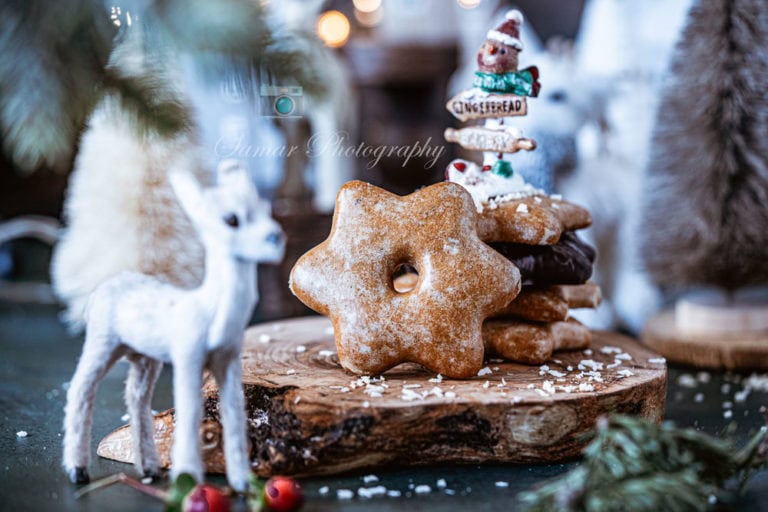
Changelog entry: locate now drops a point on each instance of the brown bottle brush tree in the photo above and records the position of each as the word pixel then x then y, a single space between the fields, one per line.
pixel 706 195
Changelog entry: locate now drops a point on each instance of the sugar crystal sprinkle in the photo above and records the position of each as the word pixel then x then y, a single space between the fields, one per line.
pixel 370 492
pixel 344 494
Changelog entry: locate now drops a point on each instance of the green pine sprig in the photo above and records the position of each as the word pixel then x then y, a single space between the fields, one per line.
pixel 634 464
pixel 58 62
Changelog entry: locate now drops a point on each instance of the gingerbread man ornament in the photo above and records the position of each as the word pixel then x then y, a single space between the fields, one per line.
pixel 438 324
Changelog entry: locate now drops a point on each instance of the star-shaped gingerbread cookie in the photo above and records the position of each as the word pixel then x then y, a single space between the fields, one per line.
pixel 438 324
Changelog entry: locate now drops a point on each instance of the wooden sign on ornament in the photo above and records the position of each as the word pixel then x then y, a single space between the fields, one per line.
pixel 487 139
pixel 307 416
pixel 475 104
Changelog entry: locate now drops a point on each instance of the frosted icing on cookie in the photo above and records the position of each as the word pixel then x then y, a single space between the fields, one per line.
pixel 485 186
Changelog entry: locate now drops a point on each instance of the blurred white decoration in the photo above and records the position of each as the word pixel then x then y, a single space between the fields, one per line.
pixel 227 114
pixel 45 229
pixel 417 21
pixel 622 53
pixel 329 116
pixel 562 108
pixel 120 211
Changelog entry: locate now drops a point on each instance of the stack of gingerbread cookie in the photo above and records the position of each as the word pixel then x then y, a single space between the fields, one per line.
pixel 555 266
pixel 533 230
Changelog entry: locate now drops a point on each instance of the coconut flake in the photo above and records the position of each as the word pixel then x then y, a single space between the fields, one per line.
pixel 344 494
pixel 370 492
pixel 484 371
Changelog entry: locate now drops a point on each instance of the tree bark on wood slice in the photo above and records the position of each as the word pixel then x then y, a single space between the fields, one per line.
pixel 729 350
pixel 307 416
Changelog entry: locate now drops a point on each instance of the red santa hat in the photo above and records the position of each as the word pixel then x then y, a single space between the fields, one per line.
pixel 508 32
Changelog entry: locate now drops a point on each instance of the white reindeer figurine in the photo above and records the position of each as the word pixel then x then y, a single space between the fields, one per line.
pixel 151 322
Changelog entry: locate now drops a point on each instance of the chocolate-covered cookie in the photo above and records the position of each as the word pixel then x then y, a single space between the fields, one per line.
pixel 569 261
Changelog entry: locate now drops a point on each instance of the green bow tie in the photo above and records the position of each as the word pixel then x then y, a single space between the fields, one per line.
pixel 514 82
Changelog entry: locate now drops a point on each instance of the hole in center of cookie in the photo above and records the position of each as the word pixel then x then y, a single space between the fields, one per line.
pixel 404 278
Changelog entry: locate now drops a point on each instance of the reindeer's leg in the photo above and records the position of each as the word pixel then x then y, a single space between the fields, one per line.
pixel 100 352
pixel 186 456
pixel 227 370
pixel 138 397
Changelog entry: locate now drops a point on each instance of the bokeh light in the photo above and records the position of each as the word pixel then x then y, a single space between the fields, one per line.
pixel 367 5
pixel 369 19
pixel 469 4
pixel 333 28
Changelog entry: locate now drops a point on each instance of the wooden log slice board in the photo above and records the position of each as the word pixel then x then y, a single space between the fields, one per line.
pixel 307 416
pixel 712 349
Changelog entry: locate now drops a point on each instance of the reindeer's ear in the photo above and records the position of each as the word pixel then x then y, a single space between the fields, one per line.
pixel 187 191
pixel 234 175
pixel 230 169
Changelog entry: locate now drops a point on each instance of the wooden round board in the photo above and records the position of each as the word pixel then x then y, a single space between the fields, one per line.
pixel 307 416
pixel 730 350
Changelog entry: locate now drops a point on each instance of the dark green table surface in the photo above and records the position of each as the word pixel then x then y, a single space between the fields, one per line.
pixel 37 358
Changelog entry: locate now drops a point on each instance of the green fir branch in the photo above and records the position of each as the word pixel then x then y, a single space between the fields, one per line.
pixel 58 61
pixel 633 464
pixel 52 56
pixel 147 101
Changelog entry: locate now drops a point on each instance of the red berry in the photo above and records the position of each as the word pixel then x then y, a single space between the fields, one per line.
pixel 283 494
pixel 217 500
pixel 195 501
pixel 486 168
pixel 205 498
pixel 460 166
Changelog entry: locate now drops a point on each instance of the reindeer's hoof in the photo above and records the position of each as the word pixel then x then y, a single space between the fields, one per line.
pixel 79 475
pixel 154 474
